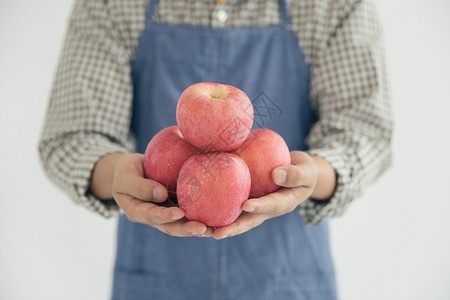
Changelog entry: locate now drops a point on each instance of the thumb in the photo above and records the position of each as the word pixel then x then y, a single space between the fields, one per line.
pixel 287 176
pixel 295 175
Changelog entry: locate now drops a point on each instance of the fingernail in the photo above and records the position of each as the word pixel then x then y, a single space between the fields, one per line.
pixel 249 209
pixel 158 194
pixel 280 176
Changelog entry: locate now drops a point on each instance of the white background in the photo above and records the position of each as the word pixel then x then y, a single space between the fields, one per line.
pixel 394 243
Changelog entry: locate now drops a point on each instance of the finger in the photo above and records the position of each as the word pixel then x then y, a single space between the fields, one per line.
pixel 207 233
pixel 141 188
pixel 245 222
pixel 280 202
pixel 270 203
pixel 183 228
pixel 146 212
pixel 294 175
pixel 300 157
pixel 155 214
pixel 287 176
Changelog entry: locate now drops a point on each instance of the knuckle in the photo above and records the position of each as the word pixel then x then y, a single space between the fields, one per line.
pixel 297 178
pixel 151 215
pixel 144 191
pixel 140 210
pixel 276 206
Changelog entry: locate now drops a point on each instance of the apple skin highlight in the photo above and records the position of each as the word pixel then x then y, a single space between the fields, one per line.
pixel 212 161
pixel 214 117
pixel 212 188
pixel 165 155
pixel 262 151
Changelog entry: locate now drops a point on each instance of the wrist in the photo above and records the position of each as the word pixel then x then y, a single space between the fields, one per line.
pixel 103 174
pixel 326 179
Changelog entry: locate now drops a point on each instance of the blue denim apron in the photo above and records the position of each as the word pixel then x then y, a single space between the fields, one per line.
pixel 282 258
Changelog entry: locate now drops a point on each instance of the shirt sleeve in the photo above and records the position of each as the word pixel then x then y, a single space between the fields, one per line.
pixel 88 114
pixel 349 91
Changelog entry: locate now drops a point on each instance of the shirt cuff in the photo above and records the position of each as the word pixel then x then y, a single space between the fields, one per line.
pixel 314 211
pixel 83 169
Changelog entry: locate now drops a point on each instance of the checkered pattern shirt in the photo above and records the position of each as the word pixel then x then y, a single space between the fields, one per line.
pixel 90 104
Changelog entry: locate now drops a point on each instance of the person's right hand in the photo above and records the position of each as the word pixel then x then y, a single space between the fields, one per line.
pixel 140 199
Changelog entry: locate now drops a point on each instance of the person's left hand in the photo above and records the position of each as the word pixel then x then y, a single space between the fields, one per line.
pixel 297 181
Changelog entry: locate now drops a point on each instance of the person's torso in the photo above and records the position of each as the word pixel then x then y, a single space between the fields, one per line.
pixel 282 258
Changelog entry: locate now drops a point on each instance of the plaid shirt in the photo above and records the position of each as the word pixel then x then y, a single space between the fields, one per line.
pixel 90 104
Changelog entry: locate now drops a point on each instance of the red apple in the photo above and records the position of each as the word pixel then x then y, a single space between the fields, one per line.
pixel 263 151
pixel 165 155
pixel 212 187
pixel 214 117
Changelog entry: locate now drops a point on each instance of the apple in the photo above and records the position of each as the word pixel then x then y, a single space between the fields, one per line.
pixel 214 117
pixel 165 155
pixel 212 188
pixel 262 151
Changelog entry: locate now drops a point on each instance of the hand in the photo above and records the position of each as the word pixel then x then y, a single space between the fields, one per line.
pixel 298 182
pixel 139 197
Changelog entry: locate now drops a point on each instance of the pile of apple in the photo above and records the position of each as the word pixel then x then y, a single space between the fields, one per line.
pixel 212 160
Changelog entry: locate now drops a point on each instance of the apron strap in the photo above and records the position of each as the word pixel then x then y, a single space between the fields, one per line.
pixel 284 13
pixel 151 9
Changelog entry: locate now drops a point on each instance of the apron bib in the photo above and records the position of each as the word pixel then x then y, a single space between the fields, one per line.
pixel 282 258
